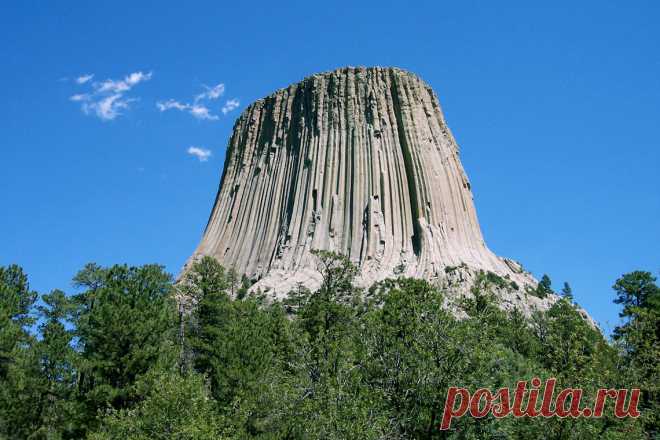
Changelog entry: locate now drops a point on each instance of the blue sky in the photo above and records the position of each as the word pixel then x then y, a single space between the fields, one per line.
pixel 556 109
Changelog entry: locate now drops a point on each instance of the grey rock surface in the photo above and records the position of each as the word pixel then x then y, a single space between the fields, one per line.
pixel 359 161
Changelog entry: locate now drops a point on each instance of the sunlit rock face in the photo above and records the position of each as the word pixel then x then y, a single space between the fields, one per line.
pixel 359 161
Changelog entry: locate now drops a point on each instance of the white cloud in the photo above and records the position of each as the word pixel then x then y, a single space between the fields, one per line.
pixel 202 112
pixel 121 86
pixel 107 98
pixel 199 107
pixel 82 79
pixel 211 92
pixel 230 105
pixel 199 111
pixel 200 153
pixel 162 106
pixel 80 97
pixel 108 107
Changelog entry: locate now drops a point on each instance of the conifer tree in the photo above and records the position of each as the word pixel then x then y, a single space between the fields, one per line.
pixel 124 322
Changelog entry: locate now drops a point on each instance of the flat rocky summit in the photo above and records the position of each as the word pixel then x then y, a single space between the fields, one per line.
pixel 359 161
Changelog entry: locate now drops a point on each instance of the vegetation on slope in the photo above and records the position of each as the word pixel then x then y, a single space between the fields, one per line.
pixel 120 359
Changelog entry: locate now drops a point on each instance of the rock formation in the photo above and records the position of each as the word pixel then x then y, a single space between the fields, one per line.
pixel 359 161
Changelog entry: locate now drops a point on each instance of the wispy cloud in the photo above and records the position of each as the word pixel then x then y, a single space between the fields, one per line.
pixel 200 153
pixel 199 111
pixel 171 104
pixel 211 92
pixel 109 107
pixel 82 79
pixel 199 107
pixel 202 112
pixel 107 98
pixel 79 97
pixel 230 105
pixel 121 86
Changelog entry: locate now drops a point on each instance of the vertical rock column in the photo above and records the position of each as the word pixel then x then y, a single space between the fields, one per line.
pixel 358 161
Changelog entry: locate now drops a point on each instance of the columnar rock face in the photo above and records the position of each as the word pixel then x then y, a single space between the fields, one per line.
pixel 359 161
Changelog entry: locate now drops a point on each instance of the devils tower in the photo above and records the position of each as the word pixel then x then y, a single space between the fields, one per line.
pixel 359 161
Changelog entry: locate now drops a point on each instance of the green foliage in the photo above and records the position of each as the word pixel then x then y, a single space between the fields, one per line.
pixel 567 340
pixel 116 361
pixel 411 351
pixel 16 301
pixel 636 291
pixel 482 303
pixel 516 332
pixel 124 321
pixel 544 287
pixel 206 277
pixel 497 280
pixel 639 337
pixel 338 274
pixel 17 362
pixel 57 410
pixel 238 343
pixel 329 402
pixel 452 269
pixel 175 406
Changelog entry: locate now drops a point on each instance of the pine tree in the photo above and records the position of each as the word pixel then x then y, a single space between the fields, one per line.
pixel 568 341
pixel 239 342
pixel 544 287
pixel 57 407
pixel 124 322
pixel 18 389
pixel 16 302
pixel 639 295
pixel 636 290
pixel 175 406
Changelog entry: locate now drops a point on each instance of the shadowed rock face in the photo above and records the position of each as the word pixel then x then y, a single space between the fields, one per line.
pixel 358 161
